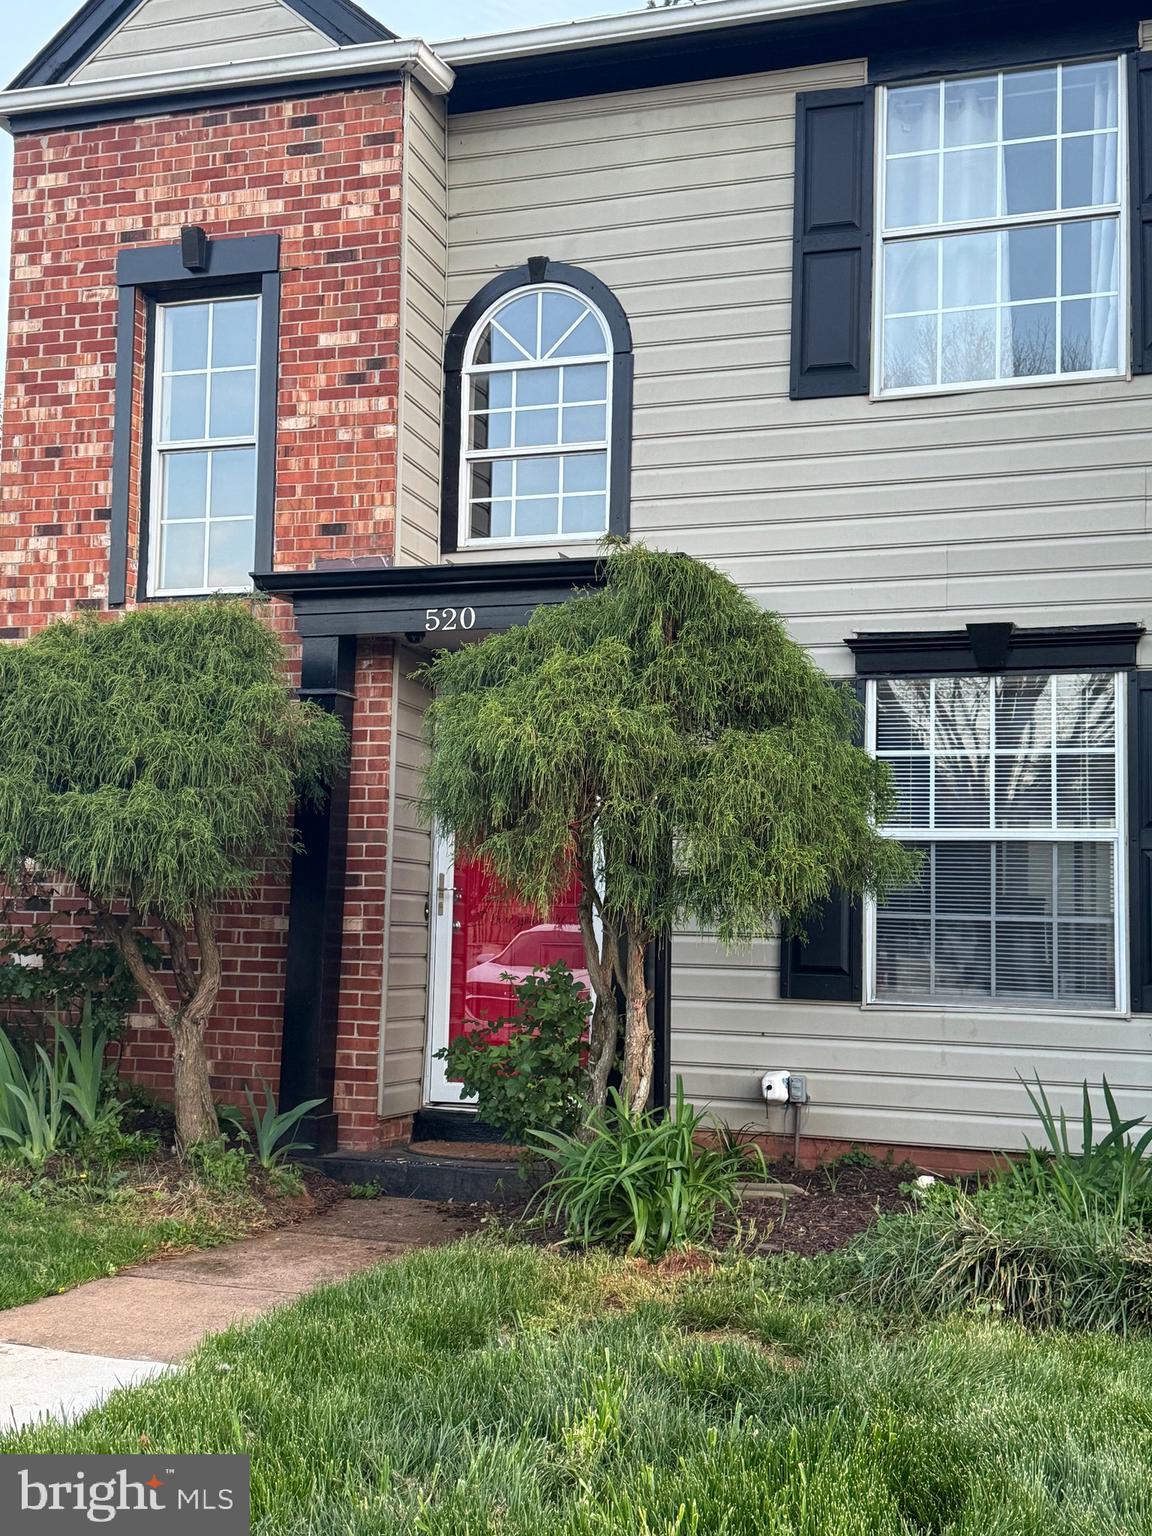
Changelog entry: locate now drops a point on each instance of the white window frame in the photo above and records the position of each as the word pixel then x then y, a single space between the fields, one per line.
pixel 161 450
pixel 1115 836
pixel 470 455
pixel 1120 210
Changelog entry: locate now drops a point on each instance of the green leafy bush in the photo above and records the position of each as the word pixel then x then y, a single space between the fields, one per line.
pixel 536 1080
pixel 220 1167
pixel 42 979
pixel 646 1182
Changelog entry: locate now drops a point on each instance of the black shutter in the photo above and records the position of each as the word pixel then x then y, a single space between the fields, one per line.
pixel 1140 131
pixel 830 963
pixel 1140 839
pixel 832 245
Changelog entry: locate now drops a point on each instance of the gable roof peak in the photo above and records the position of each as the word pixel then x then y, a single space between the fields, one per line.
pixel 339 23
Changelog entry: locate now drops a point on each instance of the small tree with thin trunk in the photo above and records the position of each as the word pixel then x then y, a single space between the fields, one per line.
pixel 152 762
pixel 664 738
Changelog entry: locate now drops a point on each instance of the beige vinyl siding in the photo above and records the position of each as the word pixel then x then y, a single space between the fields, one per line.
pixel 1028 503
pixel 405 1021
pixel 422 325
pixel 184 34
pixel 918 1076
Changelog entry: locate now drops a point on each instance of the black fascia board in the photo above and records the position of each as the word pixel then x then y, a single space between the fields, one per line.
pixel 341 21
pixel 909 39
pixel 928 653
pixel 75 43
pixel 389 600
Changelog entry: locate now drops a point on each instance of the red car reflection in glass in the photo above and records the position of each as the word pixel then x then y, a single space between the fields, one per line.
pixel 489 995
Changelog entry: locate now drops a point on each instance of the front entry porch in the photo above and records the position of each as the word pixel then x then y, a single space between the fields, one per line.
pixel 446 942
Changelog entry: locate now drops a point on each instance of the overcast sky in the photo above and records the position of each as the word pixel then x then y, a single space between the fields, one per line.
pixel 26 31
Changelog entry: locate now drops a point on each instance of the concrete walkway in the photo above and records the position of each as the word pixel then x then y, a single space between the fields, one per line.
pixel 62 1355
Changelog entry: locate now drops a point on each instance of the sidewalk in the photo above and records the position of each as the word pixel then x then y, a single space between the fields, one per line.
pixel 63 1354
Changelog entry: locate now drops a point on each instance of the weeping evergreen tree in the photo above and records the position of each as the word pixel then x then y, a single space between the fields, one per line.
pixel 664 738
pixel 152 761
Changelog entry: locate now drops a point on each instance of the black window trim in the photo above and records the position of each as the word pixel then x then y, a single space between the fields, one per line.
pixel 536 271
pixel 233 267
pixel 982 648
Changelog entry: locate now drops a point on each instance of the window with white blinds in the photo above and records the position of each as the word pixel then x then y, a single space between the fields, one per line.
pixel 1011 788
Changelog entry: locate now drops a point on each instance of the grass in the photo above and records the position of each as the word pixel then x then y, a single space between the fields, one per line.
pixel 483 1389
pixel 55 1235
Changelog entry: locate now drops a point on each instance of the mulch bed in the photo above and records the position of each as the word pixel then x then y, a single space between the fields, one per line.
pixel 838 1204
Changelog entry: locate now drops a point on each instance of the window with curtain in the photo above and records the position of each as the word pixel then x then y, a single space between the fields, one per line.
pixel 1001 240
pixel 537 404
pixel 1011 789
pixel 204 425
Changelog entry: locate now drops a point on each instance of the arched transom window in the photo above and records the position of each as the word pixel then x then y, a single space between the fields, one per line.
pixel 537 403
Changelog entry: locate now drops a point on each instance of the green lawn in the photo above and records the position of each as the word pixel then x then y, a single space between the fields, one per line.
pixel 479 1389
pixel 54 1236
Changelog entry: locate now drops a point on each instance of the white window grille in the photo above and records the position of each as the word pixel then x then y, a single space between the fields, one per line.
pixel 204 434
pixel 1002 251
pixel 537 406
pixel 1012 790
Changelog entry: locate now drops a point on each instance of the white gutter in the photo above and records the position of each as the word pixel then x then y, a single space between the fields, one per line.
pixel 636 26
pixel 410 56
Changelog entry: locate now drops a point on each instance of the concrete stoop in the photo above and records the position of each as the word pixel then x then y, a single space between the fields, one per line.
pixel 410 1174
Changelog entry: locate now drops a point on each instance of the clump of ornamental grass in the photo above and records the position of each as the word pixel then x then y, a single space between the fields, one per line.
pixel 1005 1254
pixel 1058 1239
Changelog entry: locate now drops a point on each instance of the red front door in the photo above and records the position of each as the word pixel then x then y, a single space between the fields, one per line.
pixel 494 939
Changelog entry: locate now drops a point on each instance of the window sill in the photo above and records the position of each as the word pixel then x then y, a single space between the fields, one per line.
pixel 1049 381
pixel 556 541
pixel 175 597
pixel 999 1011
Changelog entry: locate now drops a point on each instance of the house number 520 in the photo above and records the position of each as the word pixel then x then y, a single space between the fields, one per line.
pixel 450 618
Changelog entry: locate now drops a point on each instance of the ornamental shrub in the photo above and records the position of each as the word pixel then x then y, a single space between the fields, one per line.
pixel 535 1080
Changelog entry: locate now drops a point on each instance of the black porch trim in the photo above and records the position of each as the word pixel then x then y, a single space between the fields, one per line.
pixel 997 648
pixel 460 600
pixel 339 20
pixel 316 910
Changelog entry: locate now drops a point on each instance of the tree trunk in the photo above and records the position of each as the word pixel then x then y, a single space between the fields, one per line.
pixel 638 1038
pixel 195 1112
pixel 198 990
pixel 602 1051
pixel 600 956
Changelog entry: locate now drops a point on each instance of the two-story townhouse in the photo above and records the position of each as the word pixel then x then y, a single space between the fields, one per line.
pixel 852 298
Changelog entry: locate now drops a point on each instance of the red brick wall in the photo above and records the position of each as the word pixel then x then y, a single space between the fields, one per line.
pixel 325 173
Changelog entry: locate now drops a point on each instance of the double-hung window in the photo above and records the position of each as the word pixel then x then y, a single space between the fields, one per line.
pixel 1011 788
pixel 1001 238
pixel 202 522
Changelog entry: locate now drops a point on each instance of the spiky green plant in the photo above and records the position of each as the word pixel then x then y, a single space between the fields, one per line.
pixel 153 761
pixel 665 739
pixel 83 1073
pixel 641 1180
pixel 270 1127
pixel 1111 1175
